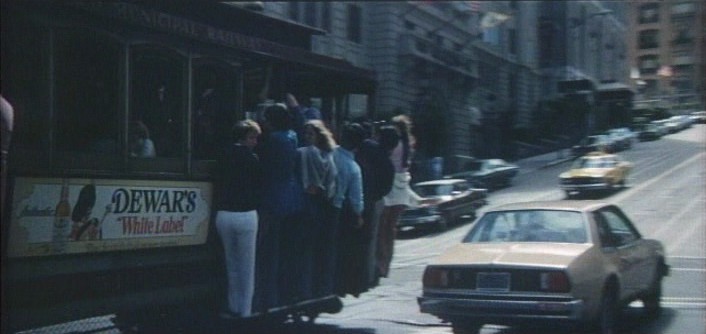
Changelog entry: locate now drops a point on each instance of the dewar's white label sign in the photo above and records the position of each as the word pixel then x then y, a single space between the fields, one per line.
pixel 57 216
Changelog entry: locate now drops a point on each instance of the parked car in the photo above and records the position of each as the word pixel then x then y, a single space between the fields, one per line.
pixel 682 122
pixel 670 125
pixel 662 126
pixel 648 131
pixel 623 137
pixel 593 143
pixel 538 264
pixel 698 116
pixel 488 173
pixel 443 203
pixel 596 171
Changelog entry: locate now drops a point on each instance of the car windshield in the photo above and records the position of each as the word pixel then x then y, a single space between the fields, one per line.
pixel 529 226
pixel 592 163
pixel 474 165
pixel 593 140
pixel 432 190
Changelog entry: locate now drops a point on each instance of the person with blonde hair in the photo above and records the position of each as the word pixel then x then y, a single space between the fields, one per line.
pixel 318 176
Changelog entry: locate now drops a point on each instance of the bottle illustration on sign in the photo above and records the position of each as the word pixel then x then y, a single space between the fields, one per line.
pixel 62 220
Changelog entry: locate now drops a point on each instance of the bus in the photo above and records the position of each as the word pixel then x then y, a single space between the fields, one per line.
pixel 92 227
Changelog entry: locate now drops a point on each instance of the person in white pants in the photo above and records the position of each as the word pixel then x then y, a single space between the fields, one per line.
pixel 238 231
pixel 237 198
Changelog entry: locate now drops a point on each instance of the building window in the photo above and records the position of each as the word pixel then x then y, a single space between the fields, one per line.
pixel 326 16
pixel 683 35
pixel 546 43
pixel 310 13
pixel 294 11
pixel 512 40
pixel 409 25
pixel 681 9
pixel 87 93
pixel 683 85
pixel 684 69
pixel 354 23
pixel 648 64
pixel 649 13
pixel 648 39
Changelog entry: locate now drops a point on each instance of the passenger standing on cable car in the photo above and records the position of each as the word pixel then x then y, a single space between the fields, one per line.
pixel 281 204
pixel 348 253
pixel 238 196
pixel 378 173
pixel 318 177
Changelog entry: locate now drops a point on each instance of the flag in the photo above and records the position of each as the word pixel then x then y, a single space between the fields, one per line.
pixel 492 19
pixel 634 73
pixel 665 71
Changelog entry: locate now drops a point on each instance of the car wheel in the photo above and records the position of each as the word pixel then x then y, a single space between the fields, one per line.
pixel 622 183
pixel 465 327
pixel 609 312
pixel 443 223
pixel 651 300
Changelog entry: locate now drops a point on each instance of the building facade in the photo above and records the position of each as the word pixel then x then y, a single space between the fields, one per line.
pixel 465 71
pixel 583 58
pixel 666 53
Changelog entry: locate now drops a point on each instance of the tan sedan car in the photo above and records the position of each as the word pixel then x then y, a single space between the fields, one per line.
pixel 566 264
pixel 595 171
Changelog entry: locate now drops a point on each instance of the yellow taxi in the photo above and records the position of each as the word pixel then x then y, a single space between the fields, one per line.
pixel 595 171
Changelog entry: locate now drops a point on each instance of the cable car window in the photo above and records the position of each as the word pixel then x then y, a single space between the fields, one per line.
pixel 157 100
pixel 215 107
pixel 87 91
pixel 25 83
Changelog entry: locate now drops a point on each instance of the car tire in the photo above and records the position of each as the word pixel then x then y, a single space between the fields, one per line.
pixel 652 298
pixel 443 223
pixel 465 327
pixel 609 313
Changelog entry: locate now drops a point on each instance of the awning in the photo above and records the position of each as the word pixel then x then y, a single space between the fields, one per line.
pixel 570 86
pixel 193 26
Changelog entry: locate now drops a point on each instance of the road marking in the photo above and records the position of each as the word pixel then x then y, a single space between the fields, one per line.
pixel 668 225
pixel 681 241
pixel 687 269
pixel 652 181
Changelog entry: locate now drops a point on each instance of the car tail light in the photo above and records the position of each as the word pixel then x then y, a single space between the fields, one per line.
pixel 555 281
pixel 435 277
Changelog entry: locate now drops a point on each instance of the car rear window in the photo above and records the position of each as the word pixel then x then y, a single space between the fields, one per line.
pixel 529 226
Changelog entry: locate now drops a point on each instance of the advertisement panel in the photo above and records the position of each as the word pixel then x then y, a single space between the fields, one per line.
pixel 66 216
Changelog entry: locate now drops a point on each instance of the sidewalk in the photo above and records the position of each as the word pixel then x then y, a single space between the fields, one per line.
pixel 543 160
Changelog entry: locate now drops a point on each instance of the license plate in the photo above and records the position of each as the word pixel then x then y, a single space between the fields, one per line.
pixel 493 281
